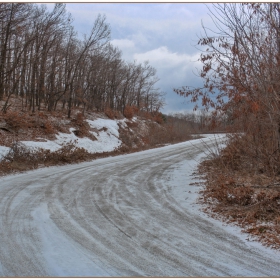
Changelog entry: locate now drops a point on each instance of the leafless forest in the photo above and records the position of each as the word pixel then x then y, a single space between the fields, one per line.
pixel 44 62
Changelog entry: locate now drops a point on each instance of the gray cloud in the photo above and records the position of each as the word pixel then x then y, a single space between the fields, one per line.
pixel 165 34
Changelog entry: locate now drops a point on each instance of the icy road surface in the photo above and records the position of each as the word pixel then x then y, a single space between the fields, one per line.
pixel 130 215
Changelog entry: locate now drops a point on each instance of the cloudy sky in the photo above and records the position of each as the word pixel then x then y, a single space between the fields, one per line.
pixel 165 34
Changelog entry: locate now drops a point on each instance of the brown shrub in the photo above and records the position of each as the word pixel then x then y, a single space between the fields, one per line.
pixel 80 118
pixel 130 111
pixel 109 113
pixel 146 115
pixel 236 190
pixel 16 120
pixel 132 124
pixel 82 126
pixel 112 114
pixel 158 118
pixel 153 116
pixel 21 158
pixel 66 154
pixel 146 140
pixel 49 129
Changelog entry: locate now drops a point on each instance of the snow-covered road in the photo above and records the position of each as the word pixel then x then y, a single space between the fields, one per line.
pixel 130 215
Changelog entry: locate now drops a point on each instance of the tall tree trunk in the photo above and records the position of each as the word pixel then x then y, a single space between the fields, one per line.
pixel 4 52
pixel 278 60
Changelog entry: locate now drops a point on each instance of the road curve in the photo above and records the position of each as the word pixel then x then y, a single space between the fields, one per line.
pixel 119 216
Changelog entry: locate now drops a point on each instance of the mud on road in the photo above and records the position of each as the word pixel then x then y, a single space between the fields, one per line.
pixel 129 215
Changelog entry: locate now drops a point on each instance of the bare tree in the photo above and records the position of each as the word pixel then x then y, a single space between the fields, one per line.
pixel 241 73
pixel 44 63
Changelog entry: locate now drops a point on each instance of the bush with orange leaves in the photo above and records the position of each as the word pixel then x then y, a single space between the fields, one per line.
pixel 158 118
pixel 49 129
pixel 154 116
pixel 112 114
pixel 15 120
pixel 82 127
pixel 130 111
pixel 109 113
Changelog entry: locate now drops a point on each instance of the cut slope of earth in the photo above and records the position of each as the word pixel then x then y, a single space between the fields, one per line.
pixel 43 139
pixel 105 133
pixel 107 138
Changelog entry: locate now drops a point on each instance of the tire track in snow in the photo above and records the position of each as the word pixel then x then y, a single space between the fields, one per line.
pixel 121 219
pixel 16 225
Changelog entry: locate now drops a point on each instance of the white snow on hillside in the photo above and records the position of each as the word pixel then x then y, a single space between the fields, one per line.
pixel 3 151
pixel 107 138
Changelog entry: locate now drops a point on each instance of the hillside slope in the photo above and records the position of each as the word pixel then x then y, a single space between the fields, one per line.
pixel 30 140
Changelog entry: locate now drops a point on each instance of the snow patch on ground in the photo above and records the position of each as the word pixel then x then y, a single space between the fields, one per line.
pixel 3 151
pixel 110 125
pixel 106 133
pixel 107 138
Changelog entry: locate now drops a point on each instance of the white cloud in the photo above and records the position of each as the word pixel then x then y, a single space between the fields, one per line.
pixel 164 34
pixel 164 58
pixel 123 43
pixel 141 40
pixel 126 46
pixel 174 70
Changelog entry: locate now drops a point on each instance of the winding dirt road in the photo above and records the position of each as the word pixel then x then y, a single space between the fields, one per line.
pixel 120 216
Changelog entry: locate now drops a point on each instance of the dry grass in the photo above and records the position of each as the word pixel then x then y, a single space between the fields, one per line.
pixel 20 158
pixel 243 191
